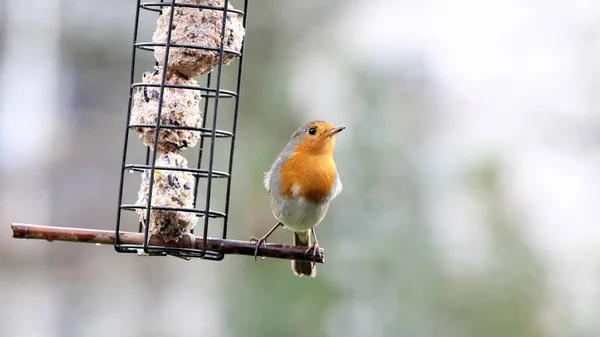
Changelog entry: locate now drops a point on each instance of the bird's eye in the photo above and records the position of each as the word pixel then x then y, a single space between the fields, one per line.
pixel 312 131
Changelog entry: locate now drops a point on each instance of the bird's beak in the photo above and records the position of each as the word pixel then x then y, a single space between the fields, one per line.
pixel 336 130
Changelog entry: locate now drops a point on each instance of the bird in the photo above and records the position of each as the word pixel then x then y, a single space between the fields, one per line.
pixel 302 182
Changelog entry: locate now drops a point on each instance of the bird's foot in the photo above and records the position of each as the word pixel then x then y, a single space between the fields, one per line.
pixel 316 251
pixel 259 242
pixel 263 240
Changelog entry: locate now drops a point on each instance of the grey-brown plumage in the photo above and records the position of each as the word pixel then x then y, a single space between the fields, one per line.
pixel 299 267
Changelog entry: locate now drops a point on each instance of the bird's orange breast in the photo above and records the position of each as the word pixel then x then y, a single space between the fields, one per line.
pixel 313 175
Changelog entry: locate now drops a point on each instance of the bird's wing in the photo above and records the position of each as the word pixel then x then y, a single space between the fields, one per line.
pixel 337 187
pixel 267 181
pixel 269 175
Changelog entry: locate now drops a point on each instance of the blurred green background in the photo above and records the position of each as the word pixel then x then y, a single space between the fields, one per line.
pixel 470 167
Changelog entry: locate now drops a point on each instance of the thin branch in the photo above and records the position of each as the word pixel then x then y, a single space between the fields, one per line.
pixel 96 236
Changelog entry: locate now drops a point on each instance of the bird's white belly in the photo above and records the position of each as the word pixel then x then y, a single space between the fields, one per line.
pixel 298 214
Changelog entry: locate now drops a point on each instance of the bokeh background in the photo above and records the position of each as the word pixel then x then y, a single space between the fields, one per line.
pixel 470 167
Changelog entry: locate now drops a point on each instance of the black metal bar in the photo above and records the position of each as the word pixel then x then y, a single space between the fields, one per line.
pixel 149 5
pixel 205 132
pixel 157 130
pixel 124 157
pixel 199 213
pixel 197 172
pixel 234 128
pixel 214 121
pixel 146 45
pixel 222 93
pixel 201 147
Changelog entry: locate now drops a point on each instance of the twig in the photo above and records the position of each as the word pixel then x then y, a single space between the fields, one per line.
pixel 50 233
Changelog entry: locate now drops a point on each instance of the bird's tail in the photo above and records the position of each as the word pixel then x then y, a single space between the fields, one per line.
pixel 305 268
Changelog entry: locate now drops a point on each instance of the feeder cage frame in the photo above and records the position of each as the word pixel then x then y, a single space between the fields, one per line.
pixel 212 90
pixel 193 245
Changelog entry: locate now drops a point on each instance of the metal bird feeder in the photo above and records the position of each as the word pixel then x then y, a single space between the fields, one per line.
pixel 212 93
pixel 195 42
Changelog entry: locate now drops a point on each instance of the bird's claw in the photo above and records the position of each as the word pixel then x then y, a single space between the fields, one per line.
pixel 259 242
pixel 316 251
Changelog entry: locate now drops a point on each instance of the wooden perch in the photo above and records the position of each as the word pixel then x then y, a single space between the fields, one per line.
pixel 105 237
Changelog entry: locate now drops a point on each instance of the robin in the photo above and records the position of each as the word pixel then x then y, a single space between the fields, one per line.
pixel 301 183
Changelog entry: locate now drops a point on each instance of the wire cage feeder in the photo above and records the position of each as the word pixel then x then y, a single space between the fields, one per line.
pixel 169 110
pixel 170 218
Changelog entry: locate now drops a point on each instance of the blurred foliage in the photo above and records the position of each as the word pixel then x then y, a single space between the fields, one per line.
pixel 505 299
pixel 399 287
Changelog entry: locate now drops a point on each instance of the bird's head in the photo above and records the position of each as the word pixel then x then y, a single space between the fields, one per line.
pixel 316 138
